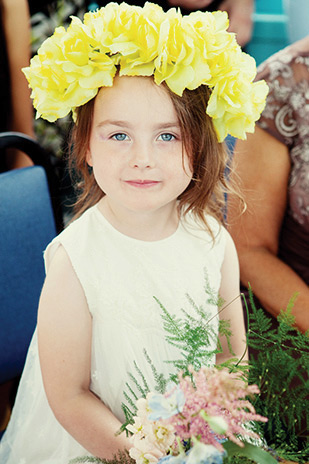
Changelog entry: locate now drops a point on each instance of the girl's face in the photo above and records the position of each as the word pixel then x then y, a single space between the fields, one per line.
pixel 135 147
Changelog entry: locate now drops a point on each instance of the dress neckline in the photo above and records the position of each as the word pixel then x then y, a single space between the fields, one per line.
pixel 100 216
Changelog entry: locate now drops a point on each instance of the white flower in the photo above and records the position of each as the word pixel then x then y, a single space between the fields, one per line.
pixel 145 452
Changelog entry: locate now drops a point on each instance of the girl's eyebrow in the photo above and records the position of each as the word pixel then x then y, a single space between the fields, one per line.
pixel 113 122
pixel 120 123
pixel 167 125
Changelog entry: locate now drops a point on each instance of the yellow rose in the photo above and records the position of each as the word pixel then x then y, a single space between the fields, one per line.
pixel 146 37
pixel 185 52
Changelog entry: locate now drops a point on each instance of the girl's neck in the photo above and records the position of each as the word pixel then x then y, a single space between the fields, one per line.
pixel 147 226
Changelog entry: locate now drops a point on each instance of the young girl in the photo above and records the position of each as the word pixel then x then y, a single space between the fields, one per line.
pixel 149 222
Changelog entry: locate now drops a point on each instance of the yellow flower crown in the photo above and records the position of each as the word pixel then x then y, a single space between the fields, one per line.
pixel 183 51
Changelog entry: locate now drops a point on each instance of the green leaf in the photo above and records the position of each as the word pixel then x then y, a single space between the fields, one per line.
pixel 250 451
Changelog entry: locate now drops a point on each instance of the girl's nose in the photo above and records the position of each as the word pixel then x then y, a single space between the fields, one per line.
pixel 142 156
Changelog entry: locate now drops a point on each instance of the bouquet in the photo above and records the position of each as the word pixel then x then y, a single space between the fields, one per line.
pixel 215 415
pixel 197 420
pixel 203 418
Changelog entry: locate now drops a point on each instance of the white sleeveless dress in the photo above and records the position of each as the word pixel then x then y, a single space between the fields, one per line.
pixel 120 277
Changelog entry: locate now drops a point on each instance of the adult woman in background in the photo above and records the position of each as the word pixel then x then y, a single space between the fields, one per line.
pixel 271 236
pixel 239 11
pixel 16 112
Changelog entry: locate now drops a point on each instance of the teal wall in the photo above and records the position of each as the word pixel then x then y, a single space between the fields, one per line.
pixel 269 6
pixel 270 29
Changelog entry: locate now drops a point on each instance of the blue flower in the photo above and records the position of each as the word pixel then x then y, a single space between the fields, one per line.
pixel 204 454
pixel 167 405
pixel 170 459
pixel 199 454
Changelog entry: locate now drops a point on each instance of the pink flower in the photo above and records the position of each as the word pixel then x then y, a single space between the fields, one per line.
pixel 214 397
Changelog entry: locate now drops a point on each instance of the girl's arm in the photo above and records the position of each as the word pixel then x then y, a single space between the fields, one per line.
pixel 64 337
pixel 232 307
pixel 262 164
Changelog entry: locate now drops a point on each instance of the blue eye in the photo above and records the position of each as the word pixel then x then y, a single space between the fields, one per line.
pixel 119 137
pixel 167 137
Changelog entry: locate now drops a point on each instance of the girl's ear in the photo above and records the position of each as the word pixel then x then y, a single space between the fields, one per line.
pixel 89 157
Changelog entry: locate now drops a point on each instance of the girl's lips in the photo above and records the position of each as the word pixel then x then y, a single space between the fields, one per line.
pixel 140 183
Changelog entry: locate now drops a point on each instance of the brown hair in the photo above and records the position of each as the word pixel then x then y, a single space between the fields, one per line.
pixel 204 194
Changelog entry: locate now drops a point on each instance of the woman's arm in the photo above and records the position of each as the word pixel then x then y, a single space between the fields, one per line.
pixel 16 26
pixel 232 307
pixel 64 336
pixel 262 164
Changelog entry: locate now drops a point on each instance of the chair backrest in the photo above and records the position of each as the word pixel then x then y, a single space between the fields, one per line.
pixel 40 157
pixel 27 225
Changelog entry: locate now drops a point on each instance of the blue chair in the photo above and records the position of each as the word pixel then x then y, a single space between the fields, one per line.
pixel 27 224
pixel 40 157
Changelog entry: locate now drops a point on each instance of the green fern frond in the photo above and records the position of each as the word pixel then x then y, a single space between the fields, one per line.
pixel 161 382
pixel 129 415
pixel 85 459
pixel 212 296
pixel 225 331
pixel 130 399
pixel 122 457
pixel 145 388
pixel 170 323
pixel 143 391
pixel 193 335
pixel 280 368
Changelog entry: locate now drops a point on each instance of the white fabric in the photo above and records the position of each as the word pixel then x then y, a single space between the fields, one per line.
pixel 120 277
